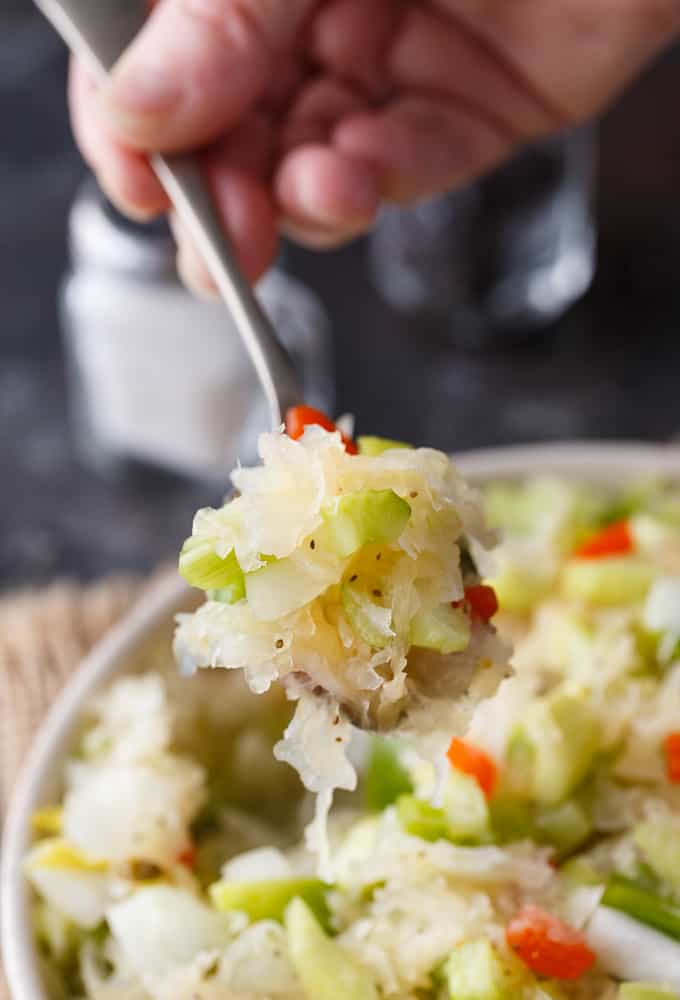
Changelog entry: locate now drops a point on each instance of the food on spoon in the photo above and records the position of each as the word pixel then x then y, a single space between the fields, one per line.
pixel 351 578
pixel 176 865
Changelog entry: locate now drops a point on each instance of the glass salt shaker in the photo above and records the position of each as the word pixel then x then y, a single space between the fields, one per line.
pixel 505 255
pixel 157 376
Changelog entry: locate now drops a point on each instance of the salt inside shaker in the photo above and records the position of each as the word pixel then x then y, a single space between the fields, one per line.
pixel 158 376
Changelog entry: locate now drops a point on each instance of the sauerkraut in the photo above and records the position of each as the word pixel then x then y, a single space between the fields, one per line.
pixel 544 864
pixel 344 577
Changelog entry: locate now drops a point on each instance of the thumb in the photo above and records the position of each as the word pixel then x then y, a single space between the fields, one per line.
pixel 195 68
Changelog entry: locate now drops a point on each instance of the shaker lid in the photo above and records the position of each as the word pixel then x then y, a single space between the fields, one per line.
pixel 101 237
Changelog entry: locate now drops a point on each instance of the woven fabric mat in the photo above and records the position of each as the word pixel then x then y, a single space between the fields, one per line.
pixel 43 636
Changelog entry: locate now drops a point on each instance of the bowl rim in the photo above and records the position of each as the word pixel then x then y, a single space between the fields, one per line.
pixel 595 460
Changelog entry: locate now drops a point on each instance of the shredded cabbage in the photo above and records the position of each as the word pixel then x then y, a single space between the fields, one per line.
pixel 335 628
pixel 175 784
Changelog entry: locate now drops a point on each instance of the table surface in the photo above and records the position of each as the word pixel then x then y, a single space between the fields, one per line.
pixel 610 368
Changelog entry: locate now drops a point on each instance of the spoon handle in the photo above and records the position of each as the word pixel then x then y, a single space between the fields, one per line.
pixel 99 31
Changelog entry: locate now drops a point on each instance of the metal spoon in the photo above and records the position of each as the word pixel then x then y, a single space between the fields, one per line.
pixel 98 32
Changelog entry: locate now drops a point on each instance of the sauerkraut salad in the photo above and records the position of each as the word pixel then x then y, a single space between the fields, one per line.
pixel 548 869
pixel 348 573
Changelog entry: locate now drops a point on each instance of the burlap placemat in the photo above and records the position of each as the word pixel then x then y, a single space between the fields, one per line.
pixel 43 636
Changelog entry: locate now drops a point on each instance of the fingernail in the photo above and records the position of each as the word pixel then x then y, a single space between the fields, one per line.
pixel 137 213
pixel 140 90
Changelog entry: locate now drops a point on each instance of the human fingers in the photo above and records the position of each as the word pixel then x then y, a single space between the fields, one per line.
pixel 195 68
pixel 124 174
pixel 249 220
pixel 422 146
pixel 324 196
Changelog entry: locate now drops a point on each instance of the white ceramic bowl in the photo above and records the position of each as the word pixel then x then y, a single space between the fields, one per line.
pixel 149 628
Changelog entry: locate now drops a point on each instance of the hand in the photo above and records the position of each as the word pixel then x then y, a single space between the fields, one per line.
pixel 312 112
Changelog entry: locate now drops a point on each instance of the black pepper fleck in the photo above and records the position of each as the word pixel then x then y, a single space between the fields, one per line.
pixel 279 643
pixel 413 494
pixel 377 593
pixel 353 577
pixel 142 870
pixel 312 544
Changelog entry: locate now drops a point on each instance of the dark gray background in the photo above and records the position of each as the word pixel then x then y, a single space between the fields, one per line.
pixel 610 368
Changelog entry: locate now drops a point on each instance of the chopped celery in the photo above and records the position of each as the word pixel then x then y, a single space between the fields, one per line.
pixel 511 819
pixel 565 733
pixel 466 809
pixel 608 581
pixel 645 991
pixel 326 971
pixel 200 566
pixel 443 628
pixel 565 826
pixel 374 446
pixel 475 971
pixel 578 871
pixel 369 619
pixel 268 899
pixel 231 594
pixel 463 819
pixel 519 589
pixel 361 518
pixel 644 876
pixel 659 842
pixel 517 775
pixel 385 777
pixel 647 907
pixel 420 819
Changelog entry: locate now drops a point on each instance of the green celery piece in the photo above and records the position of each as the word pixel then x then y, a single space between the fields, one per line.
pixel 444 629
pixel 268 899
pixel 578 871
pixel 326 971
pixel 361 518
pixel 659 842
pixel 645 991
pixel 609 581
pixel 420 819
pixel 203 568
pixel 565 733
pixel 385 777
pixel 475 971
pixel 371 620
pixel 466 809
pixel 374 446
pixel 231 594
pixel 462 820
pixel 519 589
pixel 517 776
pixel 647 907
pixel 511 819
pixel 565 826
